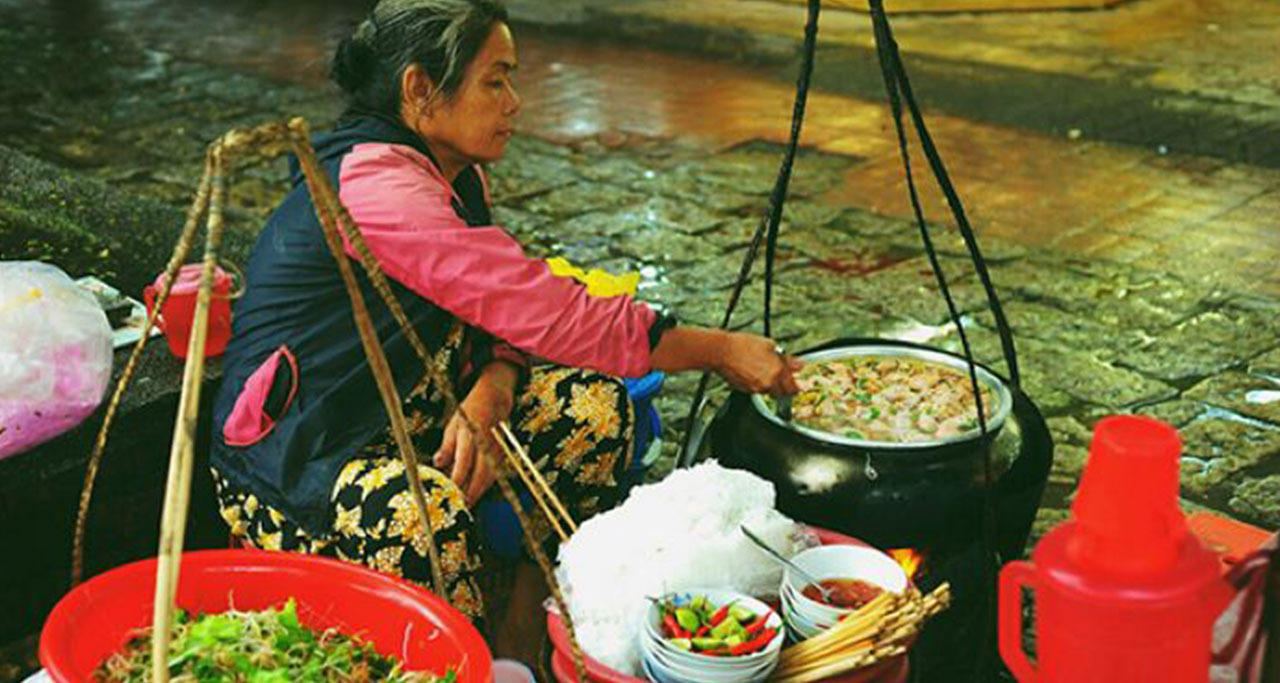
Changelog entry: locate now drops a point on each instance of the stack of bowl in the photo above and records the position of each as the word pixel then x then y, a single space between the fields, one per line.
pixel 806 617
pixel 664 662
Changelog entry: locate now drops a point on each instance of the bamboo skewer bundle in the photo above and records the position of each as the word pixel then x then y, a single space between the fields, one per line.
pixel 882 629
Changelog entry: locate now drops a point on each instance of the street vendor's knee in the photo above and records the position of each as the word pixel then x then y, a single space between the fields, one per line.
pixel 373 496
pixel 600 403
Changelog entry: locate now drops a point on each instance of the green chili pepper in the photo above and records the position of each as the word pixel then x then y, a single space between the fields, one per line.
pixel 688 619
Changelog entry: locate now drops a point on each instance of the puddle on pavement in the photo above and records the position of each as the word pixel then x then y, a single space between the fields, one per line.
pixel 1262 396
pixel 863 262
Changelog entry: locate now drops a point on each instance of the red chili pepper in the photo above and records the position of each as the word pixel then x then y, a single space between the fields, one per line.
pixel 702 631
pixel 671 628
pixel 759 622
pixel 756 643
pixel 719 615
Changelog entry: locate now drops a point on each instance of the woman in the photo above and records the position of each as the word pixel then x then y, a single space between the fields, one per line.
pixel 302 455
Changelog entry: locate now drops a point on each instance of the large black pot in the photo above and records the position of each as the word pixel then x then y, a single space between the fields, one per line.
pixel 896 495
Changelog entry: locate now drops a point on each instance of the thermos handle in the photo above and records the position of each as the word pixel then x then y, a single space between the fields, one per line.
pixel 149 296
pixel 1013 578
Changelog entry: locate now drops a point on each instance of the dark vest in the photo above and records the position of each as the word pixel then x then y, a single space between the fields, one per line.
pixel 295 298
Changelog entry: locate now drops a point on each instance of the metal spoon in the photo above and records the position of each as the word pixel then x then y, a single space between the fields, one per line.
pixel 826 592
pixel 784 408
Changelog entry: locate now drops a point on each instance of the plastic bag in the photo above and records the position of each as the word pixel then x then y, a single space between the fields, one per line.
pixel 55 354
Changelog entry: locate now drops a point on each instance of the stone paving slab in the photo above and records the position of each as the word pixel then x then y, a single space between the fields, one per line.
pixel 1153 73
pixel 1096 335
pixel 1241 393
pixel 1267 363
pixel 1226 448
pixel 1259 499
pixel 1205 344
pixel 1178 412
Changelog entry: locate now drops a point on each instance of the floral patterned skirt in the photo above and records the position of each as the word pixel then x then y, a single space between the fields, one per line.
pixel 577 425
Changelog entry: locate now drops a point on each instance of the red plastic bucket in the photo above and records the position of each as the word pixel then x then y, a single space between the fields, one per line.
pixel 398 618
pixel 177 315
pixel 894 670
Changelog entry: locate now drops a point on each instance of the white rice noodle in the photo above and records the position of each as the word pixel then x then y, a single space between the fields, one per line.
pixel 678 534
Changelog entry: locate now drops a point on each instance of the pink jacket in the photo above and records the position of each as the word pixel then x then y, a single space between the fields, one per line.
pixel 481 274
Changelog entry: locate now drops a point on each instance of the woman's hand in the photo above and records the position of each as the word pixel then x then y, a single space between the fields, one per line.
pixel 748 362
pixel 489 402
pixel 757 365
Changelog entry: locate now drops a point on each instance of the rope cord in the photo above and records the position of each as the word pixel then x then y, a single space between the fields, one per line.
pixel 768 223
pixel 898 88
pixel 779 196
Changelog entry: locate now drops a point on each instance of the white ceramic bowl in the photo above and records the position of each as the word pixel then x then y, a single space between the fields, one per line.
pixel 836 562
pixel 669 662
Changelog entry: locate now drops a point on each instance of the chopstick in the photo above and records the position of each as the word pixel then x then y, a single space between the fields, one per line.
pixel 519 460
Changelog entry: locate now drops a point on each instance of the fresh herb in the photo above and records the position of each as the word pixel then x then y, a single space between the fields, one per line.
pixel 268 646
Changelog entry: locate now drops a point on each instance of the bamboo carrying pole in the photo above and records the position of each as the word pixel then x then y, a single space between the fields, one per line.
pixel 266 141
pixel 182 454
pixel 323 196
pixel 179 256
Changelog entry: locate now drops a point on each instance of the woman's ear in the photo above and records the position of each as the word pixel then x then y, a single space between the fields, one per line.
pixel 416 90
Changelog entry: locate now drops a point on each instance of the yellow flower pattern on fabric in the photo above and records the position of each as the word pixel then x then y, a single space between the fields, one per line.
pixel 541 404
pixel 348 474
pixel 388 559
pixel 347 520
pixel 568 418
pixel 596 405
pixel 379 476
pixel 598 472
pixel 270 541
pixel 466 599
pixel 453 556
pixel 576 445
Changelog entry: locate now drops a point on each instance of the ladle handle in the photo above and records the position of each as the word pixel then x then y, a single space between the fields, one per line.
pixel 778 556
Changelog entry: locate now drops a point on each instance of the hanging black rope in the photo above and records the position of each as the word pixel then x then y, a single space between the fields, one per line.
pixel 779 196
pixel 898 87
pixel 895 75
pixel 768 224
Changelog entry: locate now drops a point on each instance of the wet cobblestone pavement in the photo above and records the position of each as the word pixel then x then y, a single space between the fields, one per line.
pixel 1135 281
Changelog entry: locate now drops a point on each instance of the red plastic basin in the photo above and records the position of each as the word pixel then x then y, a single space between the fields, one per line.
pixel 398 618
pixel 894 670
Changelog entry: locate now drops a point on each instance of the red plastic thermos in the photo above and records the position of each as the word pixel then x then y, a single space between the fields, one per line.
pixel 1124 593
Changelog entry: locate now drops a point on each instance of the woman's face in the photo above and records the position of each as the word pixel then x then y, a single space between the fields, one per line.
pixel 475 124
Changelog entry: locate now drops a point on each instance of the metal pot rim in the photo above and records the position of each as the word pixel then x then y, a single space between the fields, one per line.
pixel 985 377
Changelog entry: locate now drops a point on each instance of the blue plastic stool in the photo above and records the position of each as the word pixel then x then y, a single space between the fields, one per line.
pixel 498 522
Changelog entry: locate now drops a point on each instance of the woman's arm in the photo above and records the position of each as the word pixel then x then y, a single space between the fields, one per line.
pixel 481 274
pixel 747 362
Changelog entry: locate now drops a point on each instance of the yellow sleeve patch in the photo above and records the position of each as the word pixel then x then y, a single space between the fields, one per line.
pixel 598 282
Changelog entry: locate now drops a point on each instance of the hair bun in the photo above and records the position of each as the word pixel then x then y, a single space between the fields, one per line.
pixel 354 61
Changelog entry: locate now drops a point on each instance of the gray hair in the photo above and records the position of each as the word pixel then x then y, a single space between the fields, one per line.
pixel 441 36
